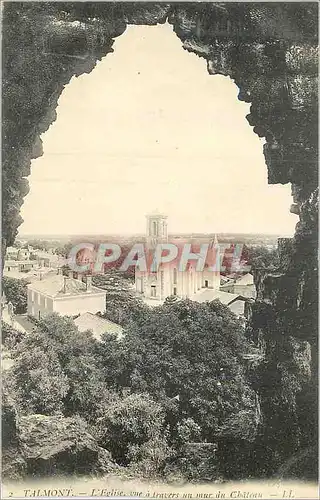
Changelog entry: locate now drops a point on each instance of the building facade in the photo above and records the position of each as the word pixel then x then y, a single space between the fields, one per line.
pixel 64 295
pixel 20 266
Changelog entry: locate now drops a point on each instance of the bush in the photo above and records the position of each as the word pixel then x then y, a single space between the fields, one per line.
pixel 126 423
pixel 150 458
pixel 16 291
pixel 55 370
pixel 10 337
pixel 196 462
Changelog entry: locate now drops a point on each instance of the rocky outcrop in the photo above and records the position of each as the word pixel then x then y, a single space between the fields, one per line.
pixel 40 445
pixel 13 462
pixel 52 444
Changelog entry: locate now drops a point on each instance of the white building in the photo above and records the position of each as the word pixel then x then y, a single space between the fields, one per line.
pixel 235 302
pixel 48 259
pixel 244 286
pixel 64 295
pixel 13 253
pixel 97 325
pixel 154 287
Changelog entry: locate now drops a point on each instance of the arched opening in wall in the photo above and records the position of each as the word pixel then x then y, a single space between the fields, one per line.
pixel 149 129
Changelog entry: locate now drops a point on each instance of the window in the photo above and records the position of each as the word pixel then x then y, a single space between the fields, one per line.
pixel 175 276
pixel 140 285
pixel 153 291
pixel 162 281
pixel 206 283
pixel 154 228
pixel 174 290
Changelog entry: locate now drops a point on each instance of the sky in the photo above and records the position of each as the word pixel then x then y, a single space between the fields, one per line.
pixel 149 129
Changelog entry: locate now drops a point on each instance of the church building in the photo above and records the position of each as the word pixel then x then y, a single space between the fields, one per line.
pixel 154 287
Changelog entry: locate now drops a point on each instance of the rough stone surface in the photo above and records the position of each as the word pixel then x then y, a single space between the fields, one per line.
pixel 52 444
pixel 13 463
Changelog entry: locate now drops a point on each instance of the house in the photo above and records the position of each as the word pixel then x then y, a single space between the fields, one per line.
pixel 235 302
pixel 224 280
pixel 47 259
pixel 18 266
pixel 97 325
pixel 64 295
pixel 12 253
pixel 23 254
pixel 244 286
pixel 27 271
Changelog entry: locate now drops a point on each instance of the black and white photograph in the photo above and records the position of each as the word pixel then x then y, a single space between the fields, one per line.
pixel 159 288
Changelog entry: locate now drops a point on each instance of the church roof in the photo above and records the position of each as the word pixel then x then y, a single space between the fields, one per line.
pixel 214 241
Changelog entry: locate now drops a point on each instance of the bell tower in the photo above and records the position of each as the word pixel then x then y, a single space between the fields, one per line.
pixel 157 229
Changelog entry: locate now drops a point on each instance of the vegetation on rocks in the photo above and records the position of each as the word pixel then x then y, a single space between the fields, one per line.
pixel 174 384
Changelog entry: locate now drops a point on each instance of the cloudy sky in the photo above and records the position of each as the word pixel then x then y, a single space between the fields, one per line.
pixel 148 129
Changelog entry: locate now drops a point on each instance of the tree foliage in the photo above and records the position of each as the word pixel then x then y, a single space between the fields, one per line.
pixel 16 292
pixel 126 423
pixel 10 337
pixel 189 357
pixel 262 257
pixel 122 305
pixel 55 369
pixel 175 382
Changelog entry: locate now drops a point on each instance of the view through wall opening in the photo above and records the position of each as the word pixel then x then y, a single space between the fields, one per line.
pixel 153 131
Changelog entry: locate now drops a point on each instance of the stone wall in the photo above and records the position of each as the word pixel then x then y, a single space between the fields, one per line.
pixel 270 51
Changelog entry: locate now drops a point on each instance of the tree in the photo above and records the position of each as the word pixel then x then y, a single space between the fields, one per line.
pixel 262 257
pixel 10 337
pixel 39 244
pixel 122 306
pixel 188 356
pixel 55 370
pixel 40 384
pixel 251 257
pixel 15 291
pixel 64 250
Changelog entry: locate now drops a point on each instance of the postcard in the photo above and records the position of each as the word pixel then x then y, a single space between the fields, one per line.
pixel 160 250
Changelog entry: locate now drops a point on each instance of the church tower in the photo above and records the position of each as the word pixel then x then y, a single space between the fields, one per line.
pixel 157 229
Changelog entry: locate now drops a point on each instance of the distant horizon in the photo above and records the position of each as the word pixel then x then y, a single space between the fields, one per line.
pixel 124 234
